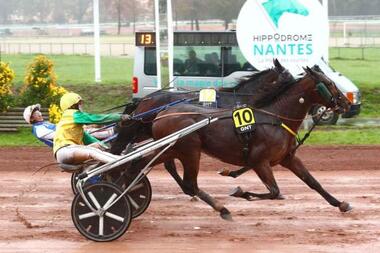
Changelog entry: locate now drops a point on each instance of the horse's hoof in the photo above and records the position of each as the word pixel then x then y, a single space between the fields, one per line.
pixel 237 192
pixel 280 197
pixel 224 172
pixel 225 214
pixel 194 199
pixel 344 207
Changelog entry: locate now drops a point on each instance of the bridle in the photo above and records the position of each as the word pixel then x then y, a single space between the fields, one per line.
pixel 327 95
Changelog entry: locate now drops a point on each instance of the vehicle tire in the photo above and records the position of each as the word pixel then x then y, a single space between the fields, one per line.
pixel 74 180
pixel 101 226
pixel 329 118
pixel 139 196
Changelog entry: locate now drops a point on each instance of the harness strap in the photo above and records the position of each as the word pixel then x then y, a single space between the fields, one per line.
pixel 288 129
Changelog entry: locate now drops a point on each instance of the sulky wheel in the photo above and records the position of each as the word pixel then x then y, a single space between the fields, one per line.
pixel 74 180
pixel 101 226
pixel 139 196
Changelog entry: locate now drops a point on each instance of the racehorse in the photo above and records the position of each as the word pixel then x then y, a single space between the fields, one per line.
pixel 272 143
pixel 247 90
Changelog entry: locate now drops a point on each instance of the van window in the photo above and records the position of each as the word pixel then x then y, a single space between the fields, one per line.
pixel 201 61
pixel 150 66
pixel 197 61
pixel 233 60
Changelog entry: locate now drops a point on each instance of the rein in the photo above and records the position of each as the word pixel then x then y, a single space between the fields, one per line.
pixel 307 135
pixel 191 113
pixel 117 107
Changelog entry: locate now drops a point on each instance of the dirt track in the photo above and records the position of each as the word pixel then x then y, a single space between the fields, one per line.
pixel 35 209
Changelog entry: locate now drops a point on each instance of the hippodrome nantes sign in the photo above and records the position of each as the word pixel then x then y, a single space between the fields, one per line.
pixel 294 31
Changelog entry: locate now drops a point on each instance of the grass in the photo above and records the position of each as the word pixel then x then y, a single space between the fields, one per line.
pixel 358 136
pixel 364 73
pixel 22 138
pixel 98 98
pixel 77 69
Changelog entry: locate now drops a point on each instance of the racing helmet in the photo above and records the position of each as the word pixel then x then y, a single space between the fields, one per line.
pixel 29 111
pixel 69 99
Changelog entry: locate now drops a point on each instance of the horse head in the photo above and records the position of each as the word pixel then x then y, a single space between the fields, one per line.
pixel 326 91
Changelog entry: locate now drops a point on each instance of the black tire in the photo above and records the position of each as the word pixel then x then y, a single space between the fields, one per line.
pixel 329 118
pixel 115 220
pixel 74 181
pixel 139 196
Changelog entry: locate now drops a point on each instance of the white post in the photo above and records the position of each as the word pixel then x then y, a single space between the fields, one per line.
pixel 170 42
pixel 344 34
pixel 325 4
pixel 96 41
pixel 158 44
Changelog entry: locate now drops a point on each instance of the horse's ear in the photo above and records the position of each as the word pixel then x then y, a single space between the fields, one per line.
pixel 317 68
pixel 313 72
pixel 278 65
pixel 309 71
pixel 306 70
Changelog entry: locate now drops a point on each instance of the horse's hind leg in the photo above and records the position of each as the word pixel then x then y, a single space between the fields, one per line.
pixel 265 173
pixel 294 164
pixel 234 173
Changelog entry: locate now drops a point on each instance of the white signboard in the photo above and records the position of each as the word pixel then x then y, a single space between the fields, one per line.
pixel 296 32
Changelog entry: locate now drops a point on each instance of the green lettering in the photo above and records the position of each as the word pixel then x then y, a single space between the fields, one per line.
pixel 270 50
pixel 258 50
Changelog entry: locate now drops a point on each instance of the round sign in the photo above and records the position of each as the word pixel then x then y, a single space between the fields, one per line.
pixel 296 32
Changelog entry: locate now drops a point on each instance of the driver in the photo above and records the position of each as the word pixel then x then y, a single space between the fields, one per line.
pixel 45 130
pixel 72 145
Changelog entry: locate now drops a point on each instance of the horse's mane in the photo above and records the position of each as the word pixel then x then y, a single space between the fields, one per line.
pixel 270 92
pixel 247 80
pixel 262 93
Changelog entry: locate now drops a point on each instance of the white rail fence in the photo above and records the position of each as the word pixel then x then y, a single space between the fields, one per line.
pixel 107 49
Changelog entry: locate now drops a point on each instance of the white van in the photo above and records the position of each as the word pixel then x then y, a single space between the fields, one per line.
pixel 213 59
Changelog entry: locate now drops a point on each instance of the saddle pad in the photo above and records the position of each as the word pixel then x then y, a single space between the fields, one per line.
pixel 207 96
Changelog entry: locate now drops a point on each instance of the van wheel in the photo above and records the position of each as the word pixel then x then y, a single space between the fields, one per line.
pixel 329 118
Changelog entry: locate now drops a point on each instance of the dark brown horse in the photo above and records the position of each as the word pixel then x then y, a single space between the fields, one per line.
pixel 271 144
pixel 246 91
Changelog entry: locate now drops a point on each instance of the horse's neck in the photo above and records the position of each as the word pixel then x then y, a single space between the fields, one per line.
pixel 288 104
pixel 252 85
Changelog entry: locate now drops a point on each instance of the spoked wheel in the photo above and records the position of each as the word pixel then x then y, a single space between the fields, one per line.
pixel 101 226
pixel 139 196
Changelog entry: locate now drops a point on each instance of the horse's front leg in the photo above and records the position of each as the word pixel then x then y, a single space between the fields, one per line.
pixel 190 163
pixel 265 173
pixel 294 164
pixel 172 169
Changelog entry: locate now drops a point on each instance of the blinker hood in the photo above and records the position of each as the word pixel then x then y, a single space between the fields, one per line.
pixel 324 92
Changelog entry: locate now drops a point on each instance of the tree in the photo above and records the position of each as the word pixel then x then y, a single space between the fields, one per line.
pixel 123 10
pixel 225 10
pixel 7 8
